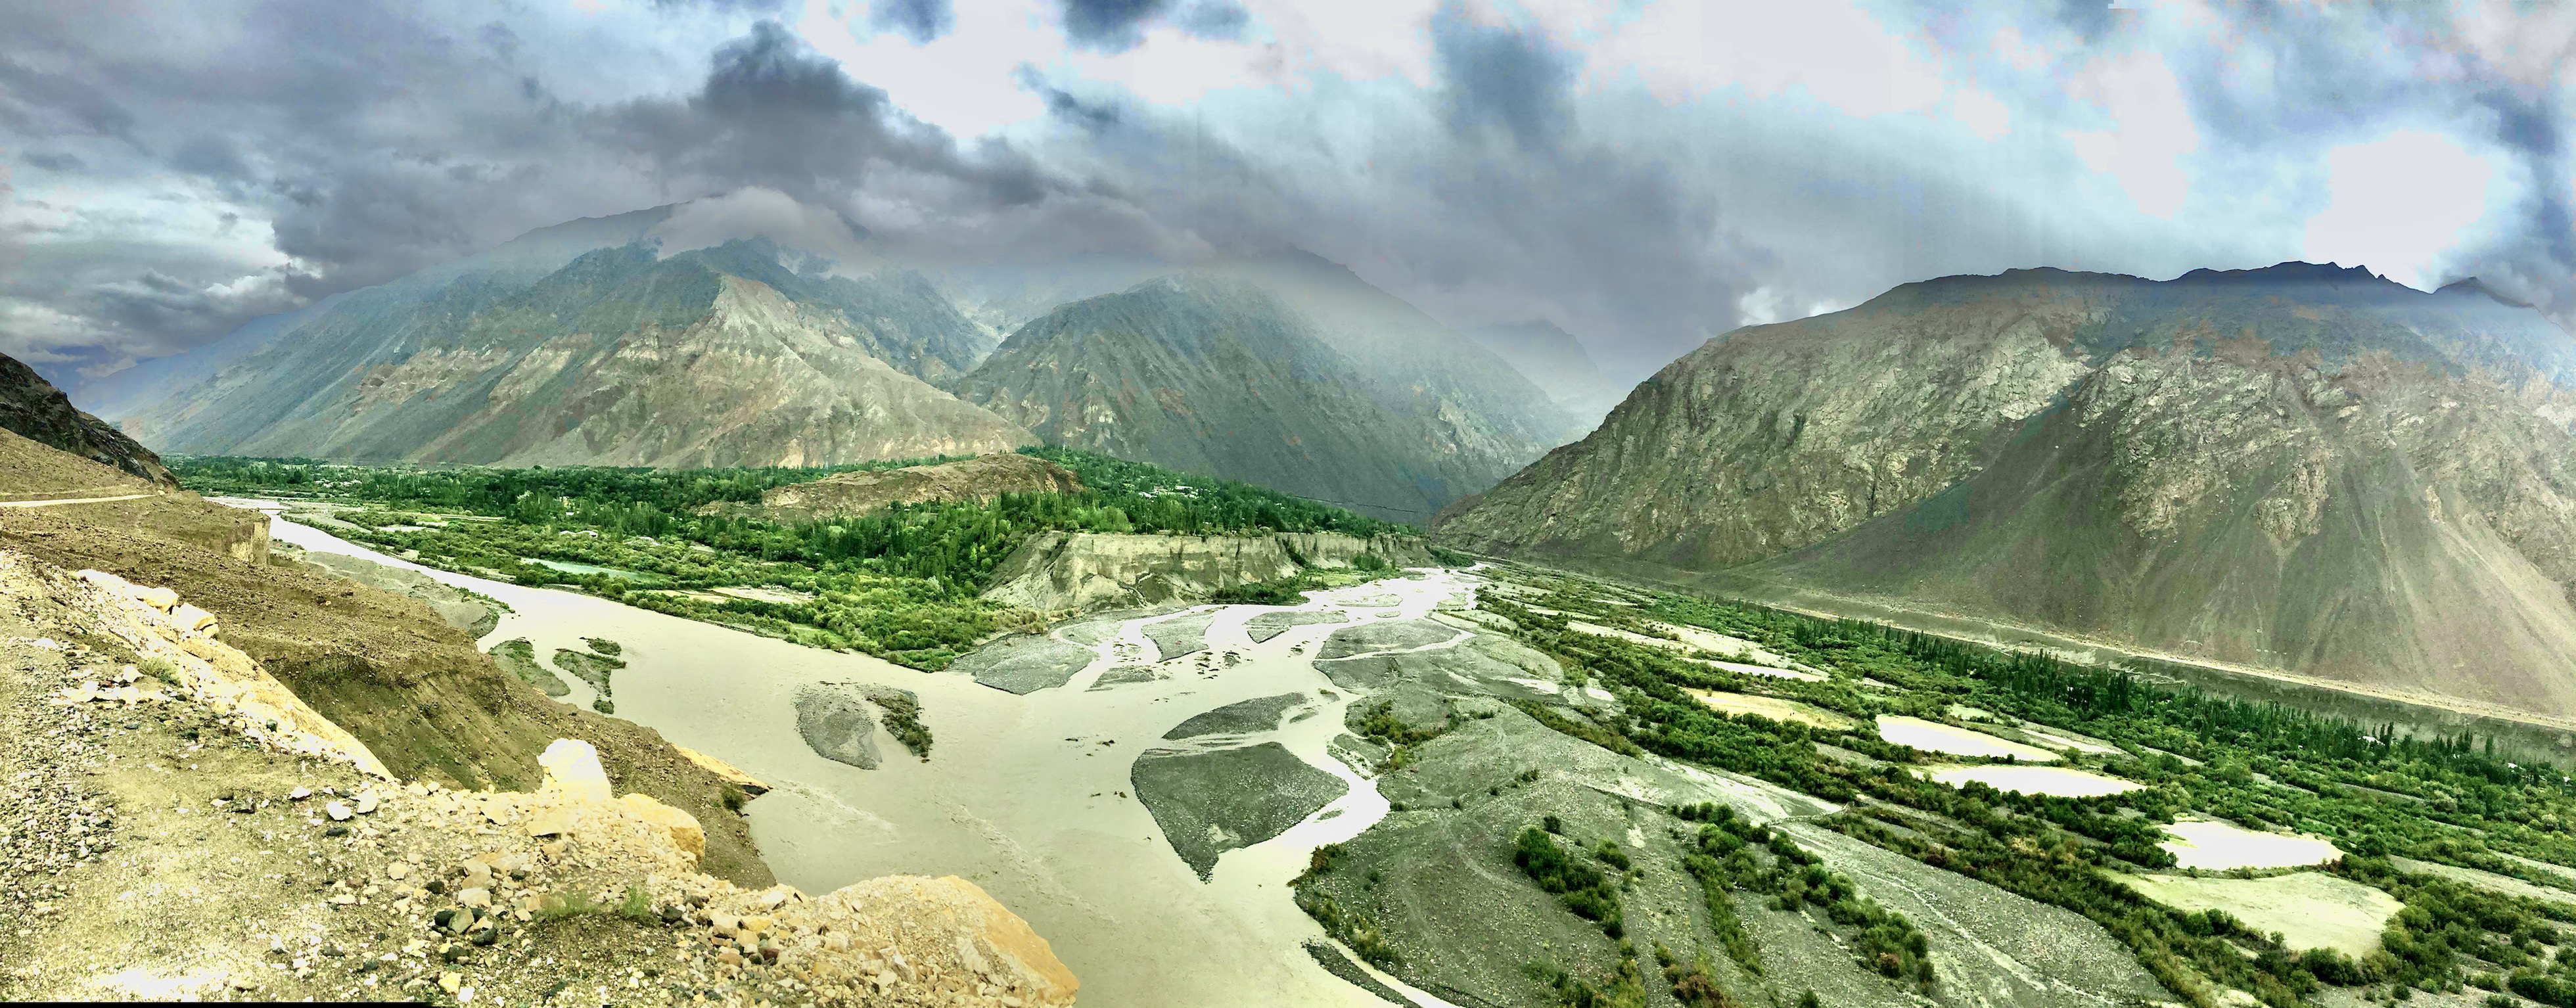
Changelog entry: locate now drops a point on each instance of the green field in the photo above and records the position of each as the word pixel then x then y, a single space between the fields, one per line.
pixel 2262 766
pixel 900 583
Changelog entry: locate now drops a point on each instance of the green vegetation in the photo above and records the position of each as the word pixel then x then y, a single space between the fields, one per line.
pixel 901 583
pixel 2441 799
pixel 1353 928
pixel 1586 890
pixel 902 719
pixel 1379 723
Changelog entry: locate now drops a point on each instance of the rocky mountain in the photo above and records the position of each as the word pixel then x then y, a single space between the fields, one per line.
pixel 1555 361
pixel 2302 468
pixel 1290 373
pixel 559 349
pixel 33 408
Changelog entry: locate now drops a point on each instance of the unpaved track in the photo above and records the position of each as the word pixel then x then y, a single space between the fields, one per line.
pixel 74 500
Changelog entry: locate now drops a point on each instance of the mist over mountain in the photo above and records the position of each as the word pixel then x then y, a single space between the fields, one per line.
pixel 1289 372
pixel 692 335
pixel 1556 362
pixel 2299 467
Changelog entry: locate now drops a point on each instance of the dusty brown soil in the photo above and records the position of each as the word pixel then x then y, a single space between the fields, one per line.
pixel 385 667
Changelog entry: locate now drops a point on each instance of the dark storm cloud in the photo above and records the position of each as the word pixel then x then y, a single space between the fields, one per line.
pixel 1119 25
pixel 1500 76
pixel 361 177
pixel 1112 25
pixel 921 20
pixel 33 100
pixel 774 113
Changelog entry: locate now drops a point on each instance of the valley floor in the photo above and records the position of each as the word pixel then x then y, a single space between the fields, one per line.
pixel 1030 796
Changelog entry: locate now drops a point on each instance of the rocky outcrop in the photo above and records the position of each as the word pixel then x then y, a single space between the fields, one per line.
pixel 2301 468
pixel 1290 374
pixel 33 408
pixel 1072 571
pixel 981 478
pixel 181 656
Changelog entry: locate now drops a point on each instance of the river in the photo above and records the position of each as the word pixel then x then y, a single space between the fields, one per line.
pixel 1028 796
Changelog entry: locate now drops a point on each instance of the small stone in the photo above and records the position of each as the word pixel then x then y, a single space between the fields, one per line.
pixel 336 831
pixel 476 896
pixel 367 802
pixel 337 812
pixel 299 794
pixel 486 936
pixel 449 982
pixel 397 870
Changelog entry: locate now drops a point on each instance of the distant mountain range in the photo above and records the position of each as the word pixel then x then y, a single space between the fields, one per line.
pixel 1290 373
pixel 1555 361
pixel 2301 467
pixel 589 343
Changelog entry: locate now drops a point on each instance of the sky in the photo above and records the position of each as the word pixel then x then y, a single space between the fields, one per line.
pixel 1646 174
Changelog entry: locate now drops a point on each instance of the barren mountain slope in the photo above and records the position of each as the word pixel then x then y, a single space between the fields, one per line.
pixel 2301 468
pixel 713 357
pixel 1297 377
pixel 1770 438
pixel 33 408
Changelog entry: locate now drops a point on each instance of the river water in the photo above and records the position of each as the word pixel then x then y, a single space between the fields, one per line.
pixel 1028 796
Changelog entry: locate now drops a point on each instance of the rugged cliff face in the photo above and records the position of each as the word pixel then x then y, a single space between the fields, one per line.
pixel 33 408
pixel 2298 468
pixel 1293 375
pixel 713 357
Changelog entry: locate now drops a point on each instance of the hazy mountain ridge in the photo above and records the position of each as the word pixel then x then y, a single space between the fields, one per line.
pixel 1300 378
pixel 714 356
pixel 1556 362
pixel 2301 467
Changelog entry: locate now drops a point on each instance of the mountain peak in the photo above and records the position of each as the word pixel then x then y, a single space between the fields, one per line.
pixel 2288 272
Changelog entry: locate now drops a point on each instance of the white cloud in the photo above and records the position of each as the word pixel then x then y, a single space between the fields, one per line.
pixel 2399 203
pixel 756 212
pixel 1828 51
pixel 2150 132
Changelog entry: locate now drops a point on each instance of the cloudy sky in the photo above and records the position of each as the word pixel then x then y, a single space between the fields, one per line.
pixel 1644 173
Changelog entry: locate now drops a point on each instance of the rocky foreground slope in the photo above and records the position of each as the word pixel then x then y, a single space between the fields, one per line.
pixel 161 787
pixel 2301 468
